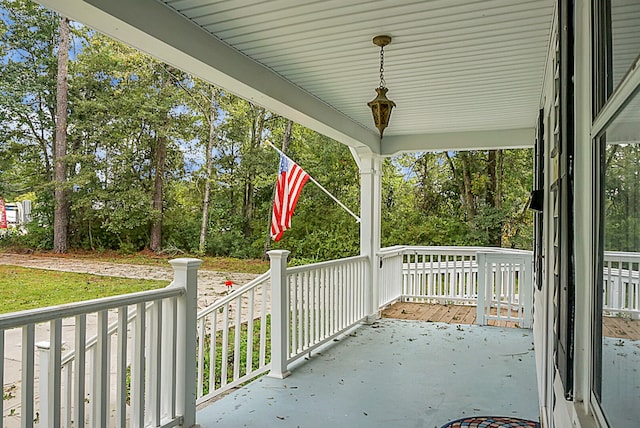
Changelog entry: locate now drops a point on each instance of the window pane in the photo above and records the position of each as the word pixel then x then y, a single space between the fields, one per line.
pixel 620 394
pixel 625 28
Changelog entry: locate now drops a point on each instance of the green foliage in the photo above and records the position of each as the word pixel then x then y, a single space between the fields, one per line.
pixel 123 104
pixel 27 95
pixel 427 202
pixel 622 197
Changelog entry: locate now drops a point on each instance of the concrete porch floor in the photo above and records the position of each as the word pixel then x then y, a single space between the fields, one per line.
pixel 394 373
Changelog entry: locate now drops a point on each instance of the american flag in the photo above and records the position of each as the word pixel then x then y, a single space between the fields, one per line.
pixel 291 179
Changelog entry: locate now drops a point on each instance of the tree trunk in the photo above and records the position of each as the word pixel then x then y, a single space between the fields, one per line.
pixel 257 127
pixel 455 175
pixel 287 136
pixel 494 196
pixel 209 166
pixel 155 240
pixel 422 164
pixel 468 192
pixel 499 177
pixel 493 183
pixel 61 211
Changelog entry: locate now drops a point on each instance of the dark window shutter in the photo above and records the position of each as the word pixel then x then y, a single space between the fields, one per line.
pixel 564 287
pixel 537 200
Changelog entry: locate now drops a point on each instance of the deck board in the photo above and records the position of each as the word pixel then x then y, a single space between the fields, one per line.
pixel 621 328
pixel 616 327
pixel 450 314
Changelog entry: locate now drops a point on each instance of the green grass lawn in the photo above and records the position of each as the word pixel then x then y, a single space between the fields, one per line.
pixel 25 288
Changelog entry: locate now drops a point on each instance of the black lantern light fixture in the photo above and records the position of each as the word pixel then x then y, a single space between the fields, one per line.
pixel 381 106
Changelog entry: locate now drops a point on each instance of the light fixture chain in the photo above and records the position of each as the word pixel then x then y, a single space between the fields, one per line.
pixel 382 82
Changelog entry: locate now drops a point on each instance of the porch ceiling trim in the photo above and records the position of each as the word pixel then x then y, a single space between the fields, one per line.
pixel 143 23
pixel 468 140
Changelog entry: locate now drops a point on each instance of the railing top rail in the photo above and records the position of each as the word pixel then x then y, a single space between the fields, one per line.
pixel 506 256
pixel 621 255
pixel 391 250
pixel 313 266
pixel 449 250
pixel 230 297
pixel 34 316
pixel 508 251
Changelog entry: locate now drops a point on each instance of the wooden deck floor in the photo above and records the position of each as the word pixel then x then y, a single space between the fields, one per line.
pixel 616 327
pixel 451 314
pixel 621 328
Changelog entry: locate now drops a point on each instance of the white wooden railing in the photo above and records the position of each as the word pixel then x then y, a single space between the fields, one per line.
pixel 498 281
pixel 275 319
pixel 325 299
pixel 392 270
pixel 140 371
pixel 428 274
pixel 621 284
pixel 505 287
pixel 233 338
pixel 313 304
pixel 146 359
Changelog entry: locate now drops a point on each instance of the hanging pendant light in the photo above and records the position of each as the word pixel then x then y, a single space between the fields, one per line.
pixel 381 106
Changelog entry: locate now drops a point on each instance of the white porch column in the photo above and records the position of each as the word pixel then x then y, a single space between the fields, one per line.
pixel 370 166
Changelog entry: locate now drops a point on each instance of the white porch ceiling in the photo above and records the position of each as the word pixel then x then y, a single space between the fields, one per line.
pixel 463 73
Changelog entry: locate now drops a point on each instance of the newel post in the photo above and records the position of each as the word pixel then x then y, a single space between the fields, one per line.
pixel 186 276
pixel 527 291
pixel 481 260
pixel 279 314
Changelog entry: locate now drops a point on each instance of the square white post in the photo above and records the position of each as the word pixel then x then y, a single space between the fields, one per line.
pixel 279 314
pixel 370 166
pixel 186 276
pixel 481 259
pixel 527 291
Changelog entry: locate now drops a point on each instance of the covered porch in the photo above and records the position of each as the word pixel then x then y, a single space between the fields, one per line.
pixel 465 75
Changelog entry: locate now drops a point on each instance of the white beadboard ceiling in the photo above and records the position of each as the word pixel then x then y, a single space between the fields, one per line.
pixel 458 70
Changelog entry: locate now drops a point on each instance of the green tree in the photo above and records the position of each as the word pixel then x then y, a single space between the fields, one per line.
pixel 458 198
pixel 157 158
pixel 128 124
pixel 61 193
pixel 28 82
pixel 622 197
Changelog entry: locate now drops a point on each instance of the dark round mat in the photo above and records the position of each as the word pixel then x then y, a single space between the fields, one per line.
pixel 491 422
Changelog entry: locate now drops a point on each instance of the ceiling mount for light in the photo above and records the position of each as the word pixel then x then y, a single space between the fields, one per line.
pixel 381 106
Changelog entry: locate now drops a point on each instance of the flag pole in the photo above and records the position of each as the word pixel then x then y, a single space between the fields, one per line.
pixel 270 144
